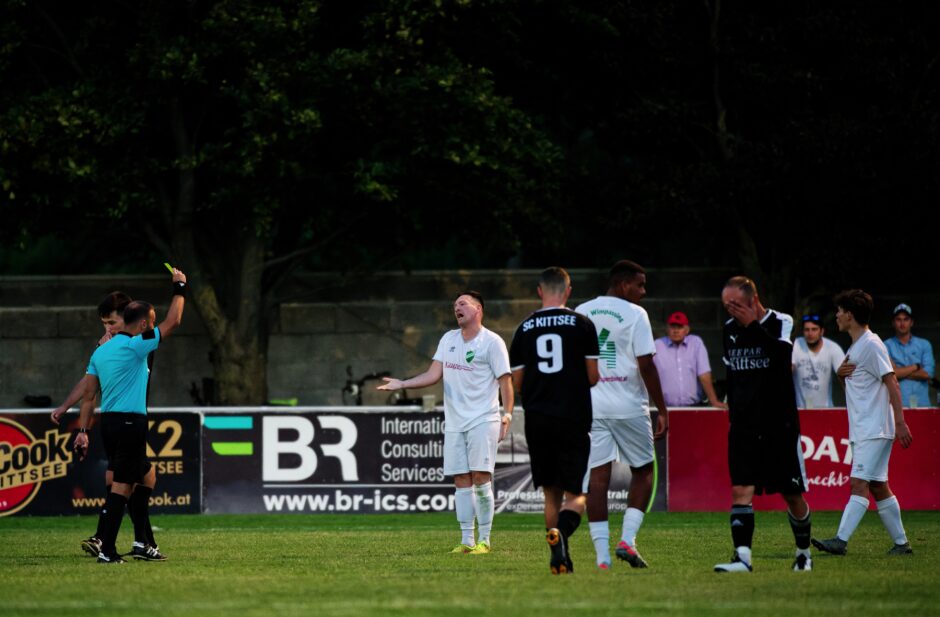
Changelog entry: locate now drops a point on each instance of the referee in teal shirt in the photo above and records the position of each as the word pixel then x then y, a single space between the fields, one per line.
pixel 120 366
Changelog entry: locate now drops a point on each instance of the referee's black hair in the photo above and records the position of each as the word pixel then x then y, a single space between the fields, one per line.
pixel 114 301
pixel 623 271
pixel 476 295
pixel 857 302
pixel 135 311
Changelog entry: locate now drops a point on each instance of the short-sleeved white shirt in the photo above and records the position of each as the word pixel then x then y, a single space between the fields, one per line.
pixel 866 395
pixel 471 372
pixel 623 334
pixel 812 372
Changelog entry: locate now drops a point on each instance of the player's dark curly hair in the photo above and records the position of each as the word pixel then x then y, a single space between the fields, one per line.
pixel 858 303
pixel 623 271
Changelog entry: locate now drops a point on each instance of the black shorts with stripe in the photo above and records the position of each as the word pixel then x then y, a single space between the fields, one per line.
pixel 770 461
pixel 559 450
pixel 124 437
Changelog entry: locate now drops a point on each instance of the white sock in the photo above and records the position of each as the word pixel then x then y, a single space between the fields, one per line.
pixel 463 503
pixel 744 554
pixel 600 535
pixel 852 516
pixel 632 520
pixel 890 512
pixel 483 504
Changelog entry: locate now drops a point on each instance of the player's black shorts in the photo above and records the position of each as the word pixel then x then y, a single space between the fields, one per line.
pixel 771 462
pixel 558 451
pixel 124 437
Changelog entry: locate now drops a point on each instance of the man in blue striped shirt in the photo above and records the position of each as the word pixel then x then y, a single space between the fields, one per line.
pixel 120 366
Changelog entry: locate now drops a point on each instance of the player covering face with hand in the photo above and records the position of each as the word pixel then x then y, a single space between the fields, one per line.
pixel 764 454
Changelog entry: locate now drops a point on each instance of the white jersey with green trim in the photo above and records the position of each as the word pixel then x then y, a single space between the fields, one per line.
pixel 471 373
pixel 623 334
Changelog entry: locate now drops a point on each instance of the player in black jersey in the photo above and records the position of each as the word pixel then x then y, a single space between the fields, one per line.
pixel 764 454
pixel 553 357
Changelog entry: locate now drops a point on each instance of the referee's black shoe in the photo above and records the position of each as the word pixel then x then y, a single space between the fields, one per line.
pixel 560 562
pixel 147 553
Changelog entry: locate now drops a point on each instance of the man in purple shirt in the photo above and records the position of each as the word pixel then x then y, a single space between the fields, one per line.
pixel 682 362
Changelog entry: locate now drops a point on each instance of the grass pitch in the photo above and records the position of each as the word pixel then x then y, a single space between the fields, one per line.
pixel 240 566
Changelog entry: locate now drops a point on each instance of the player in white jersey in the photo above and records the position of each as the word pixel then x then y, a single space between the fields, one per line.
pixel 815 359
pixel 474 364
pixel 871 393
pixel 621 428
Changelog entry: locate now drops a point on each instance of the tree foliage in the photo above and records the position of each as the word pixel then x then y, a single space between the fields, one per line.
pixel 795 141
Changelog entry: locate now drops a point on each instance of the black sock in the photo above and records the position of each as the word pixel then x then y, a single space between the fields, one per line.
pixel 100 531
pixel 742 525
pixel 802 529
pixel 110 522
pixel 568 521
pixel 139 509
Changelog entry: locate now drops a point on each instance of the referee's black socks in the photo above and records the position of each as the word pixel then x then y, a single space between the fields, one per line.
pixel 110 522
pixel 802 529
pixel 99 533
pixel 568 521
pixel 139 508
pixel 742 525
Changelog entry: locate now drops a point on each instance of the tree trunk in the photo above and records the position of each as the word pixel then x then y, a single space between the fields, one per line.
pixel 240 368
pixel 239 343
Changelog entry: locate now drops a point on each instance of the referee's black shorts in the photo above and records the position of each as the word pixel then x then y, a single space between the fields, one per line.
pixel 770 461
pixel 124 437
pixel 558 451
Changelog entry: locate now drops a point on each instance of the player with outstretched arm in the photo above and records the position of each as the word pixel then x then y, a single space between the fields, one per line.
pixel 474 364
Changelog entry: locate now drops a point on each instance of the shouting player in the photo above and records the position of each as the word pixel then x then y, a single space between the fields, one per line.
pixel 474 364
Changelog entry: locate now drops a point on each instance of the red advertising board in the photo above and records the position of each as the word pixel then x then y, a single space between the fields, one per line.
pixel 698 479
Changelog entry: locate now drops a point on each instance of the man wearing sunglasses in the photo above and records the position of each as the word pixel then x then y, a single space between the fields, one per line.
pixel 815 359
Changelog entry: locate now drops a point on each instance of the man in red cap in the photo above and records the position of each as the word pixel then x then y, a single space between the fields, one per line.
pixel 682 362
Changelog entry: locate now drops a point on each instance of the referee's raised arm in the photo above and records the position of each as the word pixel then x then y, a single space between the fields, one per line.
pixel 174 315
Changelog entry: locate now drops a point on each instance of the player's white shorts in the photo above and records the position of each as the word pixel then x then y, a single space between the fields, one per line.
pixel 630 438
pixel 472 450
pixel 870 459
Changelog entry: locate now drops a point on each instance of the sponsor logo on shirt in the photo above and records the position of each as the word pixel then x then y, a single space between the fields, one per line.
pixel 458 367
pixel 608 312
pixel 470 356
pixel 747 359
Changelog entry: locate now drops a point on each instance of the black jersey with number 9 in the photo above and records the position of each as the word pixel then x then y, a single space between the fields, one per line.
pixel 551 346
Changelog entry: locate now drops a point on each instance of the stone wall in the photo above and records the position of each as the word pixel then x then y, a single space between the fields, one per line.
pixel 389 322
